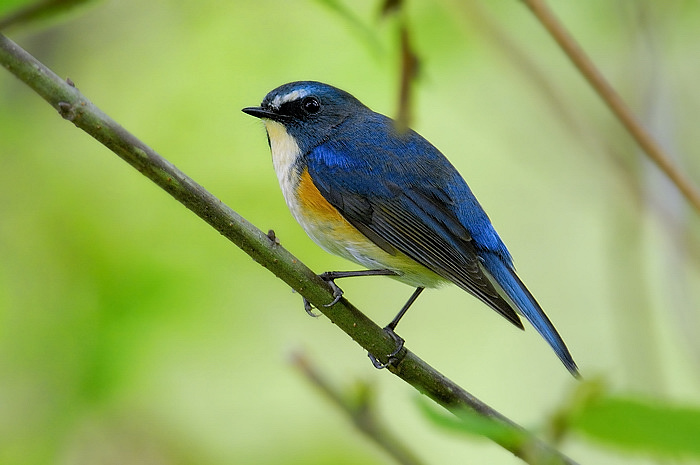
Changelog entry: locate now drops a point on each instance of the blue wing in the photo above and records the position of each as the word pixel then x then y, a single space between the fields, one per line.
pixel 403 207
pixel 426 210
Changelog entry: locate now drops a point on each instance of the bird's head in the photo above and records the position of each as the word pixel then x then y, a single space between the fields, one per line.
pixel 308 111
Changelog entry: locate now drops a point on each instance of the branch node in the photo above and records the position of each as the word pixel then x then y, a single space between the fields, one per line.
pixel 67 111
pixel 273 237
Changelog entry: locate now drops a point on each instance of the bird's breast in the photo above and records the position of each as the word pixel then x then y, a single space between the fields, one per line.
pixel 324 224
pixel 285 153
pixel 321 220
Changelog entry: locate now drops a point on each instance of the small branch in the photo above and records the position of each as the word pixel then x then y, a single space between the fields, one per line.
pixel 409 65
pixel 475 12
pixel 262 247
pixel 359 409
pixel 613 101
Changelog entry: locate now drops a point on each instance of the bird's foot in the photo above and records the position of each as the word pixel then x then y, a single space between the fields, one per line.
pixel 328 277
pixel 337 292
pixel 310 309
pixel 392 358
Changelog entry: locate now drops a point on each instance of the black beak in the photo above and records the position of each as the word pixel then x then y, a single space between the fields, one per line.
pixel 260 112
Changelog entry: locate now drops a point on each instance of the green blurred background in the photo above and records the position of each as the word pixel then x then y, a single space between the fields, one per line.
pixel 132 332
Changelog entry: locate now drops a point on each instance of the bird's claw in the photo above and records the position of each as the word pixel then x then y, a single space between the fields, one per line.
pixel 337 295
pixel 309 308
pixel 392 358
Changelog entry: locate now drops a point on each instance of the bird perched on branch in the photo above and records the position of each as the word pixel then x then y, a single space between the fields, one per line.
pixel 390 201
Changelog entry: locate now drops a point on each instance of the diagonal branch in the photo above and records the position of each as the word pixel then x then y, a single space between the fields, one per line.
pixel 614 102
pixel 75 107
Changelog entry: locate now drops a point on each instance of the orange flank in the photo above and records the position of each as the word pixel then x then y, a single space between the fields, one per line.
pixel 311 200
pixel 324 223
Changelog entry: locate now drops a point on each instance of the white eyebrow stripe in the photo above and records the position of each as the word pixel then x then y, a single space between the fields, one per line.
pixel 279 100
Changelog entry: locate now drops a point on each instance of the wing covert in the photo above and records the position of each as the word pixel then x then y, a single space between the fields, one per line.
pixel 415 218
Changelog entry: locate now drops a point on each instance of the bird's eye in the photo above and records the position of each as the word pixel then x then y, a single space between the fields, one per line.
pixel 311 105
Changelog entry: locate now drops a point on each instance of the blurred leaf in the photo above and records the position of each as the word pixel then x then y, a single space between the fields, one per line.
pixel 585 393
pixel 642 426
pixel 470 423
pixel 41 10
pixel 8 5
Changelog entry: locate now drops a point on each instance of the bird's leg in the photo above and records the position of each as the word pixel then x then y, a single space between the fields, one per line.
pixel 331 276
pixel 392 326
pixel 391 358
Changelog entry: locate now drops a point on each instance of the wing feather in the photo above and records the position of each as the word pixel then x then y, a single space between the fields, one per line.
pixel 414 218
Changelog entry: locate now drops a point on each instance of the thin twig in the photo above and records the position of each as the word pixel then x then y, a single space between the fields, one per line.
pixel 359 409
pixel 410 66
pixel 263 248
pixel 614 101
pixel 475 12
pixel 409 62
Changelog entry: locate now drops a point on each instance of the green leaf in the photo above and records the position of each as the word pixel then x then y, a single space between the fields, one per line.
pixel 642 426
pixel 467 422
pixel 41 10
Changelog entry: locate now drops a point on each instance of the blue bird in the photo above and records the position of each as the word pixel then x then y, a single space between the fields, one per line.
pixel 389 201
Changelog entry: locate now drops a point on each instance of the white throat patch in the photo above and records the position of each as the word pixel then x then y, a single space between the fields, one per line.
pixel 285 152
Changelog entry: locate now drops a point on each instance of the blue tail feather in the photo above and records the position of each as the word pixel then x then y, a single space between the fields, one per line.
pixel 525 303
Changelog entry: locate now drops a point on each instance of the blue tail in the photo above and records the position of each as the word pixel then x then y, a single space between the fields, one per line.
pixel 526 304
